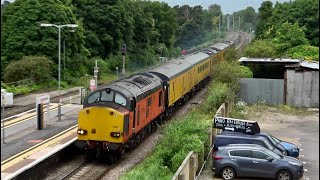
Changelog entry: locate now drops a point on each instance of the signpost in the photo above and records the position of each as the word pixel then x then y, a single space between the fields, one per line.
pixel 236 125
pixel 40 101
pixel 92 85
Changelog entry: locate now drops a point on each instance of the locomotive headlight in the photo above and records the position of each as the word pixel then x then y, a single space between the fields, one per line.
pixel 115 134
pixel 81 131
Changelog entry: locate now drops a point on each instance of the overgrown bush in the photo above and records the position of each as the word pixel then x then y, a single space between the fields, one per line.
pixel 179 138
pixel 306 52
pixel 231 54
pixel 38 68
pixel 230 72
pixel 260 49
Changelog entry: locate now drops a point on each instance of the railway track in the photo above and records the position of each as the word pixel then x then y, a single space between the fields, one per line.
pixel 14 110
pixel 89 171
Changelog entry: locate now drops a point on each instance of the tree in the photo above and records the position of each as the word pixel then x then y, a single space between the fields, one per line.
pixel 304 12
pixel 264 14
pixel 260 49
pixel 107 25
pixel 287 36
pixel 21 34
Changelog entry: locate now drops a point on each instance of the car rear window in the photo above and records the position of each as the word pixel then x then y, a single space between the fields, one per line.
pixel 240 153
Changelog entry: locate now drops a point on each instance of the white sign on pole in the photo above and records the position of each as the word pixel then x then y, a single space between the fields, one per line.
pixel 43 99
pixel 92 84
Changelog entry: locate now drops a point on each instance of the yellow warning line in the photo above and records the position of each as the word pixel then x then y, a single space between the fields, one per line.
pixel 24 154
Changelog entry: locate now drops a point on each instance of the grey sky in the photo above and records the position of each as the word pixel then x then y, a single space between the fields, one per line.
pixel 227 6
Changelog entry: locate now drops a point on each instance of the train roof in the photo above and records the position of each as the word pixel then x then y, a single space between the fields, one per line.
pixel 196 58
pixel 171 69
pixel 137 85
pixel 219 46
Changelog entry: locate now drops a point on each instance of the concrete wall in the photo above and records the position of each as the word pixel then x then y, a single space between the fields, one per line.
pixel 302 88
pixel 254 90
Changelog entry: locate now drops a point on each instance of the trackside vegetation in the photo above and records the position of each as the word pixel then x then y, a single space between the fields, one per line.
pixel 189 132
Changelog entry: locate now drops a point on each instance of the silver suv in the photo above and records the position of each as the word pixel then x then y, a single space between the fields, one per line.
pixel 250 160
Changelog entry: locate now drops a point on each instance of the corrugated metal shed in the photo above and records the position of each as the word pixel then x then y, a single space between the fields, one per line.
pixel 268 60
pixel 305 64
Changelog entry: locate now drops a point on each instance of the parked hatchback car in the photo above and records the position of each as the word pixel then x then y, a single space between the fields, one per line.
pixel 224 139
pixel 254 161
pixel 289 148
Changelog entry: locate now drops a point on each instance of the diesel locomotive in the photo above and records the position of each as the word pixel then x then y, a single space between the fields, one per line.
pixel 117 117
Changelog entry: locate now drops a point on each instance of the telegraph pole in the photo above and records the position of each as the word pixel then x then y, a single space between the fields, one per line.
pixel 124 50
pixel 219 26
pixel 95 73
pixel 228 22
pixel 232 21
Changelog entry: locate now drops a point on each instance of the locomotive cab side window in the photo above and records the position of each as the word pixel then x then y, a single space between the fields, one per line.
pixel 119 99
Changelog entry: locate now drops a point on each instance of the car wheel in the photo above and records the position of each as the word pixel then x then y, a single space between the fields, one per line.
pixel 284 175
pixel 228 173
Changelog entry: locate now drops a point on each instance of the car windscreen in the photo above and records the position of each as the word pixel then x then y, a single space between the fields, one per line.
pixel 268 145
pixel 275 139
pixel 271 139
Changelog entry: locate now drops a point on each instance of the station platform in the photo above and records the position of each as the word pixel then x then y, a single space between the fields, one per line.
pixel 30 99
pixel 29 146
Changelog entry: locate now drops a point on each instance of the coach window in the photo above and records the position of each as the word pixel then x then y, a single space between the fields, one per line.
pixel 119 99
pixel 94 97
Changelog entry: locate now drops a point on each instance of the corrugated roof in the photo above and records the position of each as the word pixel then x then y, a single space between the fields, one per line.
pixel 245 59
pixel 306 64
pixel 298 62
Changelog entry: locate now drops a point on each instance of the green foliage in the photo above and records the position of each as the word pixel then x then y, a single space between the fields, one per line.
pixel 22 35
pixel 229 72
pixel 306 52
pixel 245 72
pixel 264 15
pixel 19 89
pixel 260 49
pixel 303 12
pixel 39 69
pixel 248 19
pixel 218 93
pixel 231 54
pixel 179 138
pixel 287 36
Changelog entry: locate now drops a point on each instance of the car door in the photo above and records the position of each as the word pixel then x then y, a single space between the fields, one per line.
pixel 240 157
pixel 261 166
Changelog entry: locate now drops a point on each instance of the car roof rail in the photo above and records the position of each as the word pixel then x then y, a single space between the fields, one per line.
pixel 236 125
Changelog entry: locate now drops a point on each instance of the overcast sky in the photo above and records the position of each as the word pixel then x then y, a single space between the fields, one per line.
pixel 227 6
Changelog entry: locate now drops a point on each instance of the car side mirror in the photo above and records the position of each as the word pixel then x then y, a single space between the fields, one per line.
pixel 270 159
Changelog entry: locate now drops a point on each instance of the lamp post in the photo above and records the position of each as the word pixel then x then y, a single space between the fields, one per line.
pixel 59 53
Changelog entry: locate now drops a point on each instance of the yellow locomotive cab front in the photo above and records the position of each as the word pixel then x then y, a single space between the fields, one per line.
pixel 100 124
